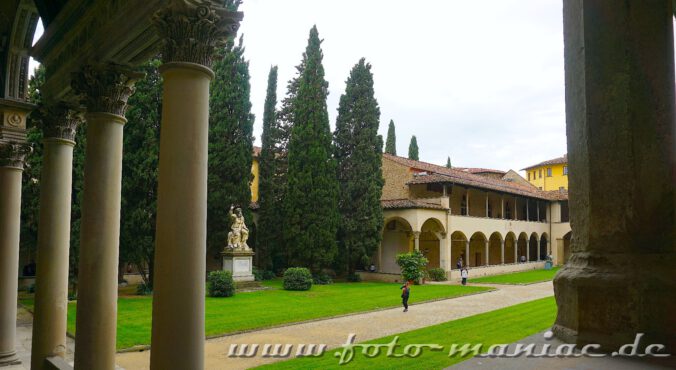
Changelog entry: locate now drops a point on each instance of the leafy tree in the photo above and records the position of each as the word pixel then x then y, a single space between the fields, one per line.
pixel 413 149
pixel 391 144
pixel 358 148
pixel 230 145
pixel 448 162
pixel 269 203
pixel 139 173
pixel 312 200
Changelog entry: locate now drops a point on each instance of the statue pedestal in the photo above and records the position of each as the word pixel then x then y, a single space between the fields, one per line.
pixel 240 263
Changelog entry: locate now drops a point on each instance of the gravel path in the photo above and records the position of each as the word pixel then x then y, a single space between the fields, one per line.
pixel 334 332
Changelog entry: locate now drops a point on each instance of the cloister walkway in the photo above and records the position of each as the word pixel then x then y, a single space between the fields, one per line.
pixel 333 331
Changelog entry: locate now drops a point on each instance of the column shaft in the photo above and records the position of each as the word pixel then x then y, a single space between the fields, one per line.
pixel 620 279
pixel 99 243
pixel 488 256
pixel 467 253
pixel 51 284
pixel 10 216
pixel 178 304
pixel 502 252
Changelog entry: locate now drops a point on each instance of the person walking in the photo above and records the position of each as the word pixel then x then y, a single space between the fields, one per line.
pixel 405 292
pixel 464 274
pixel 459 263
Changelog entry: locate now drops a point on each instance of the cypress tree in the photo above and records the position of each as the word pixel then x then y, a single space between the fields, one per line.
pixel 30 192
pixel 358 148
pixel 391 145
pixel 312 199
pixel 139 173
pixel 413 149
pixel 230 147
pixel 448 162
pixel 268 211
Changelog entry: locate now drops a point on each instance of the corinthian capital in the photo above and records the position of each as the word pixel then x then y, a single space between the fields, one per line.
pixel 105 87
pixel 192 29
pixel 60 121
pixel 13 154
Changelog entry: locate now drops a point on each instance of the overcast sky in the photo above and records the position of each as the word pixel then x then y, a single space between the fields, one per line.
pixel 481 81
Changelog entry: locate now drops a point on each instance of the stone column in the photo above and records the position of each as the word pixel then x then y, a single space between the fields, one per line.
pixel 537 204
pixel 487 248
pixel 502 252
pixel 620 279
pixel 537 249
pixel 12 155
pixel 467 253
pixel 51 283
pixel 516 250
pixel 445 255
pixel 190 32
pixel 104 90
pixel 528 250
pixel 416 240
pixel 527 210
pixel 502 206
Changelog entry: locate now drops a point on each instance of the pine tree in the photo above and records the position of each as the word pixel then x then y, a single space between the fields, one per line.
pixel 230 147
pixel 358 148
pixel 448 162
pixel 312 199
pixel 391 145
pixel 413 149
pixel 269 203
pixel 139 173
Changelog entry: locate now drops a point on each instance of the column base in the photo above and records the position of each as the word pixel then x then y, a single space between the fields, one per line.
pixel 609 299
pixel 9 358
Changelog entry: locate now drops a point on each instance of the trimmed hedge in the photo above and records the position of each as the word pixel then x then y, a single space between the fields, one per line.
pixel 322 278
pixel 437 274
pixel 297 278
pixel 221 284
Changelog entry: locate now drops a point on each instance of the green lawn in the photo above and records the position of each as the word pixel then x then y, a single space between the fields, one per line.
pixel 272 307
pixel 503 326
pixel 526 277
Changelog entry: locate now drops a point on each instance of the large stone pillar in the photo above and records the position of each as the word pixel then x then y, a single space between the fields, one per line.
pixel 12 155
pixel 467 253
pixel 620 279
pixel 487 249
pixel 502 252
pixel 105 90
pixel 190 34
pixel 51 284
pixel 416 240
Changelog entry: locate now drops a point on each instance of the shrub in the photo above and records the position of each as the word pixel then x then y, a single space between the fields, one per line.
pixel 144 289
pixel 354 277
pixel 412 265
pixel 297 278
pixel 268 275
pixel 221 284
pixel 322 278
pixel 437 274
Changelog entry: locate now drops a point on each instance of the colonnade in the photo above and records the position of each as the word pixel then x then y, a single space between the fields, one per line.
pixel 189 34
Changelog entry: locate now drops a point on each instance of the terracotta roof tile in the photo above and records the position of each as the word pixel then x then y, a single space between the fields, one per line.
pixel 479 170
pixel 443 174
pixel 560 160
pixel 409 203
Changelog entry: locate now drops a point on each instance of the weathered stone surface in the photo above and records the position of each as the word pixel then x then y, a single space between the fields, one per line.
pixel 621 278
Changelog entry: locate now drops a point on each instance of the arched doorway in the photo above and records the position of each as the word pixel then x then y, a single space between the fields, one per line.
pixel 397 236
pixel 429 244
pixel 566 247
pixel 510 248
pixel 544 246
pixel 522 246
pixel 533 247
pixel 458 244
pixel 477 250
pixel 495 249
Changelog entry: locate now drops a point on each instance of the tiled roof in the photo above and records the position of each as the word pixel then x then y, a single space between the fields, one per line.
pixel 560 160
pixel 438 174
pixel 409 203
pixel 557 194
pixel 479 170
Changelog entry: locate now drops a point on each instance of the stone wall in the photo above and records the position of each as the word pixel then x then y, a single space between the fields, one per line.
pixel 396 176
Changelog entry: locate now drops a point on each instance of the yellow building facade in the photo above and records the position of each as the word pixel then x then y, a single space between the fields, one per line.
pixel 549 175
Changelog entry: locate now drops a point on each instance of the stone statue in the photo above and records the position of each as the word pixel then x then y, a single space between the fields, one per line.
pixel 239 233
